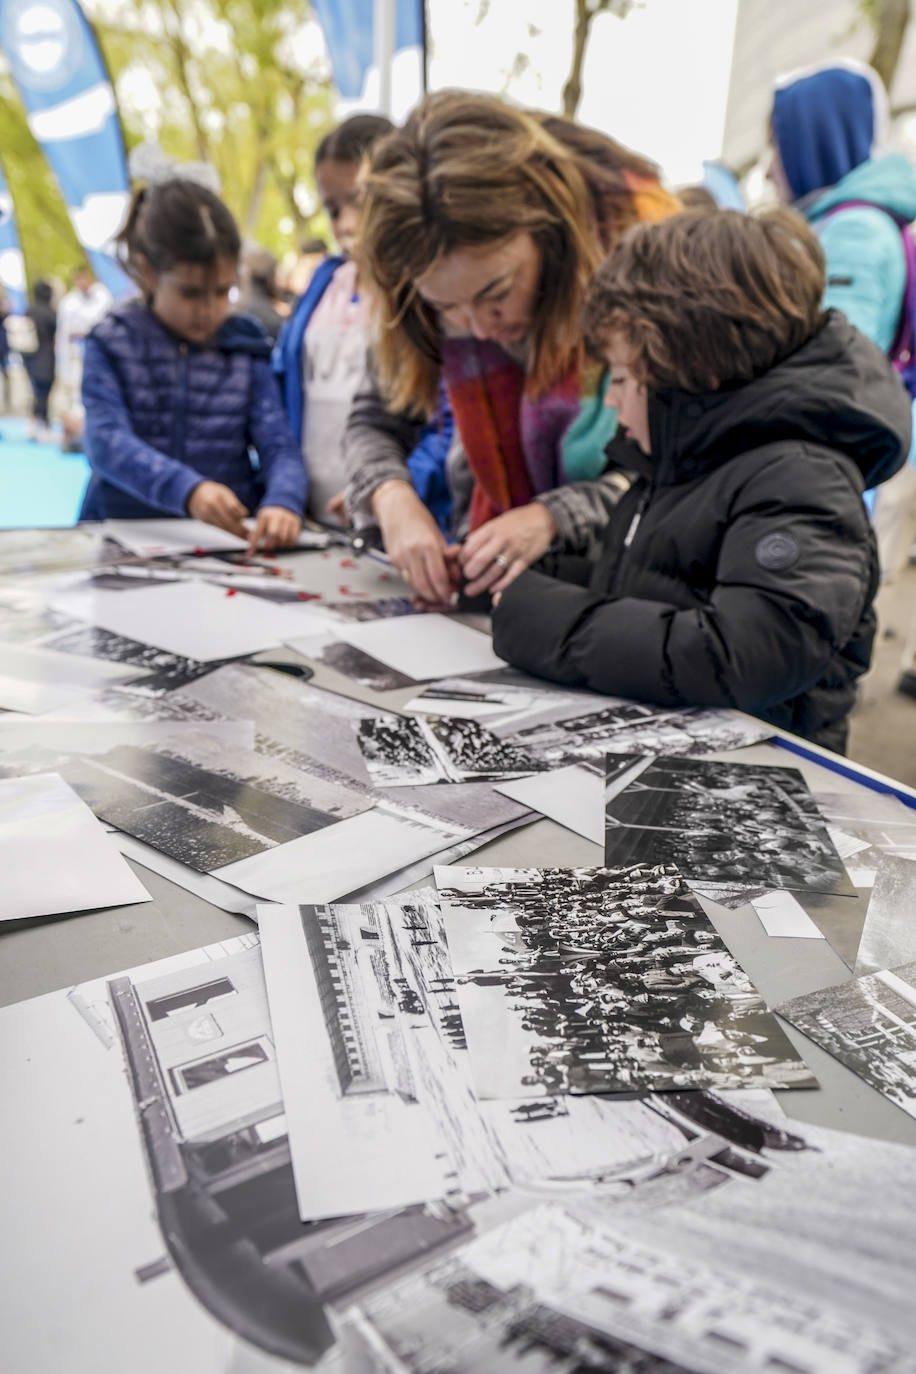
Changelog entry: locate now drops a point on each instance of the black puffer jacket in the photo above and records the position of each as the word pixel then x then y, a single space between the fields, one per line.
pixel 741 570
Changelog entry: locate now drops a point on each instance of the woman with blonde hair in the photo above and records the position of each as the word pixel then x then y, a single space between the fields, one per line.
pixel 481 227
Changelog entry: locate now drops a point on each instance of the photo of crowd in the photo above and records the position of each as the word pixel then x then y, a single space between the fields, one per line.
pixel 602 980
pixel 744 824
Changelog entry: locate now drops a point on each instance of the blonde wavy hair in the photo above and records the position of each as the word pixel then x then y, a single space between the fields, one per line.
pixel 467 171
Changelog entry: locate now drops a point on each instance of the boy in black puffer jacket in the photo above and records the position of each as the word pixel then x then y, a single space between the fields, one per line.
pixel 741 568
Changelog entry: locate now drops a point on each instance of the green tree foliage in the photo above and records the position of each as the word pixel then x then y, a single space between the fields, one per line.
pixel 48 242
pixel 241 84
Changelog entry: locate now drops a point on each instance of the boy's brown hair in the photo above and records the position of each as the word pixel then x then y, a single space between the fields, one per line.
pixel 708 300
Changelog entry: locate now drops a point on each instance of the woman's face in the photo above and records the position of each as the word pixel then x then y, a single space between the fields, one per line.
pixel 489 292
pixel 626 395
pixel 338 186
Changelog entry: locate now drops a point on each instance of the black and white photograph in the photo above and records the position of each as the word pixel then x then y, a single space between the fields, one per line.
pixel 205 807
pixel 353 663
pixel 350 1026
pixel 602 980
pixel 889 934
pixel 378 608
pixel 56 550
pixel 559 1291
pixel 869 1024
pixel 865 826
pixel 624 727
pixel 735 823
pixel 187 1233
pixel 157 670
pixel 316 731
pixel 410 751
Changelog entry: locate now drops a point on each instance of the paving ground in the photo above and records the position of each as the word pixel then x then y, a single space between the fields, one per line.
pixel 883 725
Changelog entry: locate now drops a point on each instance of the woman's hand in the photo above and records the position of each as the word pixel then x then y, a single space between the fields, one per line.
pixel 275 528
pixel 414 543
pixel 216 504
pixel 496 553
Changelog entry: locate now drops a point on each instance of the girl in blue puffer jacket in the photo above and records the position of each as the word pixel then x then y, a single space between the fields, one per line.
pixel 178 392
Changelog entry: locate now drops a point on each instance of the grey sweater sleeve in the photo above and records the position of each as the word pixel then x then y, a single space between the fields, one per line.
pixel 375 447
pixel 581 510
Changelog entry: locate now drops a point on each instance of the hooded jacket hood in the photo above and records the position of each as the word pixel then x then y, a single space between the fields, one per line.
pixel 837 390
pixel 826 121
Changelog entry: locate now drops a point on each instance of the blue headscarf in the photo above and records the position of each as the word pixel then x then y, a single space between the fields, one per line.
pixel 824 124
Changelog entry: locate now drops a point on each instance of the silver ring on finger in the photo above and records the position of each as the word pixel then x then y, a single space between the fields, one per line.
pixel 501 560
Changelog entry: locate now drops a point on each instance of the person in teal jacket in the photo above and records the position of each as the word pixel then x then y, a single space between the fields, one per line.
pixel 826 128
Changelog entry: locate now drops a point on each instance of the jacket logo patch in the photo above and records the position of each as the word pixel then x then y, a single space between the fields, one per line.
pixel 775 552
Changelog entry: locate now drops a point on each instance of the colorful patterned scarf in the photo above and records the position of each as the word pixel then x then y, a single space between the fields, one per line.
pixel 518 445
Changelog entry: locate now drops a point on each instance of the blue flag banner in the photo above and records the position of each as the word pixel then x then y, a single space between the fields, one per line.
pixel 356 45
pixel 12 267
pixel 68 97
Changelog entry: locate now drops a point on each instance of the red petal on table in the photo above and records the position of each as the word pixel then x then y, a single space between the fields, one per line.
pixel 347 563
pixel 232 591
pixel 343 591
pixel 384 577
pixel 199 553
pixel 309 596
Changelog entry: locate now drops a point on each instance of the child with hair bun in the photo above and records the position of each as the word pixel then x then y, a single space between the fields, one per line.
pixel 178 390
pixel 740 569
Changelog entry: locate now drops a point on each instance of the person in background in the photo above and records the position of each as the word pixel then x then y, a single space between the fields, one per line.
pixel 481 227
pixel 40 363
pixel 4 352
pixel 177 390
pixel 321 355
pixel 826 126
pixel 312 253
pixel 740 569
pixel 259 295
pixel 80 308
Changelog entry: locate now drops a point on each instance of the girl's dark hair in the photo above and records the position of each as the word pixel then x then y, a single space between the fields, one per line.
pixel 177 221
pixel 42 292
pixel 707 300
pixel 352 139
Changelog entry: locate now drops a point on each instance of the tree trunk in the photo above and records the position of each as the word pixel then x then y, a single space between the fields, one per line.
pixel 892 17
pixel 572 91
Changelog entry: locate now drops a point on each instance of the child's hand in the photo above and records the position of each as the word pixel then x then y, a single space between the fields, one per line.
pixel 337 508
pixel 216 504
pixel 275 528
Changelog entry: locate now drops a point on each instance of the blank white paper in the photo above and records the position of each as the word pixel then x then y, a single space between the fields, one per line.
pixel 54 855
pixel 571 796
pixel 423 646
pixel 158 538
pixel 781 913
pixel 191 619
pixel 335 861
